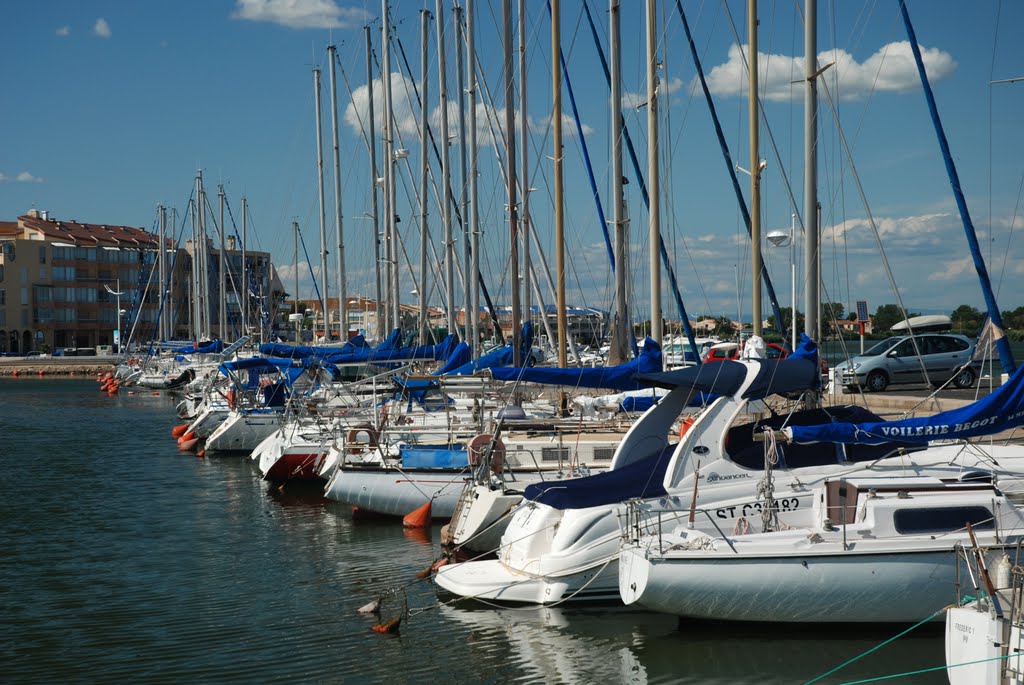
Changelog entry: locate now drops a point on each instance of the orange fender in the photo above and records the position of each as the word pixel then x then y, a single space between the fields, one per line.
pixel 420 518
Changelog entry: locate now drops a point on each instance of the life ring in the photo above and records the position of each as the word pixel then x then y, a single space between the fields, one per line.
pixel 476 446
pixel 352 441
pixel 685 425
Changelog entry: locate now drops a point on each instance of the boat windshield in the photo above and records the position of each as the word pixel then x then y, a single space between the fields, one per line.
pixel 880 348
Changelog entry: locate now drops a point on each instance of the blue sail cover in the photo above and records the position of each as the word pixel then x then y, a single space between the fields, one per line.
pixel 209 348
pixel 643 478
pixel 621 377
pixel 796 373
pixel 441 350
pixel 1001 410
pixel 351 346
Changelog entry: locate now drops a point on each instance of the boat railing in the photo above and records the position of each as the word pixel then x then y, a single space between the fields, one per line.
pixel 646 522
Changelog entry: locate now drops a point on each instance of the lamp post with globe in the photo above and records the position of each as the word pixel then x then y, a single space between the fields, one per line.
pixel 782 239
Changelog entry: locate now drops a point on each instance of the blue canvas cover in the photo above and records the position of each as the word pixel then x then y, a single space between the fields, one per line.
pixel 798 372
pixel 209 348
pixel 442 350
pixel 643 478
pixel 1002 410
pixel 638 404
pixel 434 457
pixel 621 377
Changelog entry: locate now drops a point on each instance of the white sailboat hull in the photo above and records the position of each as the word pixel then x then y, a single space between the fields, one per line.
pixel 243 432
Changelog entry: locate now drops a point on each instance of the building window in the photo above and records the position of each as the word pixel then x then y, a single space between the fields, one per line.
pixel 3 296
pixel 42 255
pixel 42 273
pixel 24 297
pixel 24 274
pixel 9 251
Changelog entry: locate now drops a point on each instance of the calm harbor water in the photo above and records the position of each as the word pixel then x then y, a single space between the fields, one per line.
pixel 124 560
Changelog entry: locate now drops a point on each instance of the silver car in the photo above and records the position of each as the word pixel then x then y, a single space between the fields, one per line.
pixel 895 360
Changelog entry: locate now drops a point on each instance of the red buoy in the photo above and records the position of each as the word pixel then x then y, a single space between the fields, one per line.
pixel 188 435
pixel 179 430
pixel 187 445
pixel 419 518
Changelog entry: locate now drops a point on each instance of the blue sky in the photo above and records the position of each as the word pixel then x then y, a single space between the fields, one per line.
pixel 112 106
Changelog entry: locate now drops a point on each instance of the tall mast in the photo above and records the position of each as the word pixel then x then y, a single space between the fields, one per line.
pixel 556 120
pixel 222 270
pixel 245 270
pixel 424 228
pixel 653 177
pixel 295 238
pixel 755 169
pixel 161 252
pixel 196 323
pixel 324 280
pixel 170 286
pixel 446 172
pixel 812 263
pixel 373 179
pixel 474 218
pixel 342 291
pixel 389 174
pixel 513 209
pixel 620 339
pixel 524 133
pixel 467 266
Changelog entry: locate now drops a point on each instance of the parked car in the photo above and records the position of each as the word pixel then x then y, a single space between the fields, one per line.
pixel 895 360
pixel 731 350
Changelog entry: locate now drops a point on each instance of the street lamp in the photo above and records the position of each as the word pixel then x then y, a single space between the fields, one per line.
pixel 782 239
pixel 118 293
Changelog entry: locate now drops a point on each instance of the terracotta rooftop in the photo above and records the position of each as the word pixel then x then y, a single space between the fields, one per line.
pixel 9 229
pixel 85 235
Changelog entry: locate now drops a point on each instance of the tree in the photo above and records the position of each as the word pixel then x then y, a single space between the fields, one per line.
pixel 724 328
pixel 831 312
pixel 885 316
pixel 787 316
pixel 967 319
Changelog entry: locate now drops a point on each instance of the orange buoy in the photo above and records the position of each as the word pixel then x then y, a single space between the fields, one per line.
pixel 40 373
pixel 420 518
pixel 443 561
pixel 186 436
pixel 186 445
pixel 388 626
pixel 685 424
pixel 201 454
pixel 15 374
pixel 179 430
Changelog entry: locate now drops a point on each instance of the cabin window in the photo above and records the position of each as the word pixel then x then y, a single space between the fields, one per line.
pixel 559 454
pixel 942 519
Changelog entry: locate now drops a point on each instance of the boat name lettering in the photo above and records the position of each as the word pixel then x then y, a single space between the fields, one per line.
pixel 916 431
pixel 714 477
pixel 753 508
pixel 964 628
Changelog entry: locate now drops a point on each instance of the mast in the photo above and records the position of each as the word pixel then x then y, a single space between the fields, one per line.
pixel 467 266
pixel 556 120
pixel 510 160
pixel 389 174
pixel 653 177
pixel 424 229
pixel 755 169
pixel 195 316
pixel 295 238
pixel 222 286
pixel 373 179
pixel 170 286
pixel 161 252
pixel 620 340
pixel 524 133
pixel 474 218
pixel 245 270
pixel 342 292
pixel 323 212
pixel 812 258
pixel 446 173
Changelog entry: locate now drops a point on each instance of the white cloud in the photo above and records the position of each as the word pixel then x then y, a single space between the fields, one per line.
pixel 953 269
pixel 890 69
pixel 23 177
pixel 102 28
pixel 63 31
pixel 636 99
pixel 301 14
pixel 407 113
